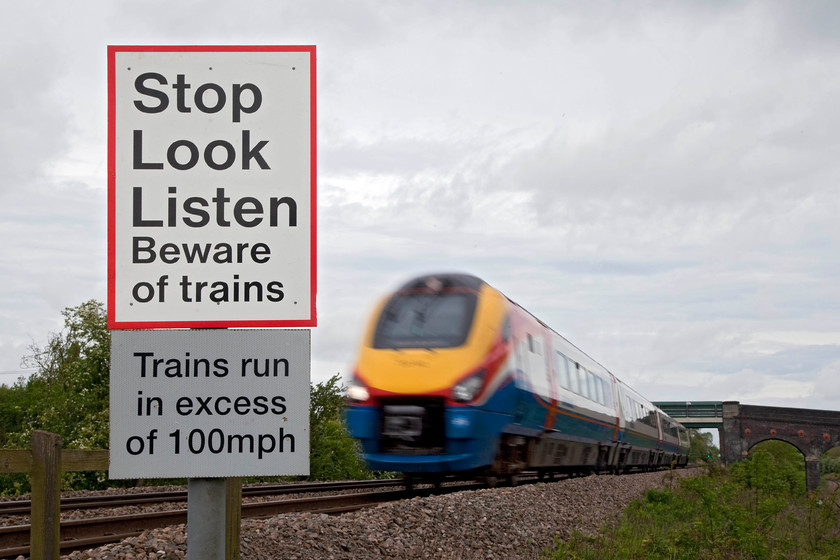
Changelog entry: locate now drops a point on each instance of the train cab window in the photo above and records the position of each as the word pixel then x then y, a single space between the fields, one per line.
pixel 423 320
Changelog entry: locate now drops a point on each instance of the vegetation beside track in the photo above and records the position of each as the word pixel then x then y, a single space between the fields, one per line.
pixel 756 509
pixel 68 395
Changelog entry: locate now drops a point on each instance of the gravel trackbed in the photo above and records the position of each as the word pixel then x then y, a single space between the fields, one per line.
pixel 501 523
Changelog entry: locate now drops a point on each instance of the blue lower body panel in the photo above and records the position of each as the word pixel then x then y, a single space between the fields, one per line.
pixel 469 441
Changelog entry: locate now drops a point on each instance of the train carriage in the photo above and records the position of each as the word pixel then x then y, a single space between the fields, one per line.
pixel 454 377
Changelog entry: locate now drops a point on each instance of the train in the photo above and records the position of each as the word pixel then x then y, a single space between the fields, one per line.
pixel 454 378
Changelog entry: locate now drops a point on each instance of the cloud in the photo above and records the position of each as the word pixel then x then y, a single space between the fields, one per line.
pixel 655 181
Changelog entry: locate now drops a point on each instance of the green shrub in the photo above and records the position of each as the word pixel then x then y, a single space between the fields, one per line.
pixel 757 510
pixel 68 395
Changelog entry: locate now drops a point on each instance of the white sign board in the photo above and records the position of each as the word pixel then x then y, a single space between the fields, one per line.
pixel 209 403
pixel 212 182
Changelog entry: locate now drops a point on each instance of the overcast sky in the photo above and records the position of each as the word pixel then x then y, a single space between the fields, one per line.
pixel 657 181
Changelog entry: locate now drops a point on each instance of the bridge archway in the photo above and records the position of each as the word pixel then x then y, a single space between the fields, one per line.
pixel 758 442
pixel 812 432
pixel 788 461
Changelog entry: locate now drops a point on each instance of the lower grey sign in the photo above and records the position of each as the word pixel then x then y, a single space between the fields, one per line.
pixel 209 403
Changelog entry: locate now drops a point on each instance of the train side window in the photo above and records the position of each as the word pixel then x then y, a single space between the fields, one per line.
pixel 573 378
pixel 534 345
pixel 593 389
pixel 562 370
pixel 649 417
pixel 609 393
pixel 584 386
pixel 599 387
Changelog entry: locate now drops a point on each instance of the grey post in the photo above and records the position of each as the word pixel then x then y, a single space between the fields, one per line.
pixel 206 505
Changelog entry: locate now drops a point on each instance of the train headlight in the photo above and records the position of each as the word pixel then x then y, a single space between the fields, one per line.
pixel 357 392
pixel 468 388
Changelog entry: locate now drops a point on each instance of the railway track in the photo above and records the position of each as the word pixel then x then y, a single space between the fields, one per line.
pixel 89 533
pixel 23 507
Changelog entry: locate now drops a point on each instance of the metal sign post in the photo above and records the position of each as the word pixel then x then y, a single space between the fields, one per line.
pixel 206 504
pixel 211 225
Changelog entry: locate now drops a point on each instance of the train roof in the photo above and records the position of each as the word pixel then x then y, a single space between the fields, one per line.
pixel 449 280
pixel 442 281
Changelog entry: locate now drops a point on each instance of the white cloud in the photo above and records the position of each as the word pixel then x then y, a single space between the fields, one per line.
pixel 655 181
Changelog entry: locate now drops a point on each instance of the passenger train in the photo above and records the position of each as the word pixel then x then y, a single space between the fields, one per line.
pixel 455 378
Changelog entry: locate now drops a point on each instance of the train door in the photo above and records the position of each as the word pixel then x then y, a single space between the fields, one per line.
pixel 551 374
pixel 615 404
pixel 520 351
pixel 535 362
pixel 625 422
pixel 660 431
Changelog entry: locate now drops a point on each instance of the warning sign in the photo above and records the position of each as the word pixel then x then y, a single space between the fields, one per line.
pixel 209 403
pixel 212 182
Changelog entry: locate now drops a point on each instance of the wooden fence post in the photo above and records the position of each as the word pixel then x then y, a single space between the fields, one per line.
pixel 46 496
pixel 233 517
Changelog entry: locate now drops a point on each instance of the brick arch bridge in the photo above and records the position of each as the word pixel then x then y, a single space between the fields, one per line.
pixel 741 426
pixel 812 432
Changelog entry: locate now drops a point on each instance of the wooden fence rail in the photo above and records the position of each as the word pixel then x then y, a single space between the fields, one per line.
pixel 44 463
pixel 47 460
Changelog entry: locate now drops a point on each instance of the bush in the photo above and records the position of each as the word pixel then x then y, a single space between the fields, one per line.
pixel 69 396
pixel 334 455
pixel 758 510
pixel 830 465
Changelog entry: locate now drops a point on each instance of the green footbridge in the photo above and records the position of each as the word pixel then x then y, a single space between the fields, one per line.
pixel 694 414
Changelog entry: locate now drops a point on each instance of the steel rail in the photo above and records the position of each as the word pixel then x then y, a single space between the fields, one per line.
pixel 23 507
pixel 85 533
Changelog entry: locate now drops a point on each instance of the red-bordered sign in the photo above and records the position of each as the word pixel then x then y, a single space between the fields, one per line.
pixel 211 186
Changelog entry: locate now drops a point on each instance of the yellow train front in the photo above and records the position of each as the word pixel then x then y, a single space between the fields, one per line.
pixel 431 392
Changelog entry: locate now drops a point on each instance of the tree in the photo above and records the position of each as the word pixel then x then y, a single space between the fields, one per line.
pixel 68 393
pixel 775 461
pixel 333 453
pixel 702 447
